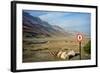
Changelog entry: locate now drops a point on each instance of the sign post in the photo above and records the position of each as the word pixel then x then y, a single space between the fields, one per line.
pixel 80 49
pixel 79 38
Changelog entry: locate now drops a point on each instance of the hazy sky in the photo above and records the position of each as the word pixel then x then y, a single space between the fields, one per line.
pixel 70 21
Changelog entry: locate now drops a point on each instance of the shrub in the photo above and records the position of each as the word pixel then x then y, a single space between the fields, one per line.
pixel 87 47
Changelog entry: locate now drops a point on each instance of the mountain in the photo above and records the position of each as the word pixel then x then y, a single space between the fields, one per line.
pixel 61 30
pixel 35 27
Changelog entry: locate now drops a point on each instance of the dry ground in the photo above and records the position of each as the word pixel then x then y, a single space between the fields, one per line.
pixel 38 49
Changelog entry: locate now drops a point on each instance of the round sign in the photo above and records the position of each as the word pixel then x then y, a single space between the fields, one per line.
pixel 79 37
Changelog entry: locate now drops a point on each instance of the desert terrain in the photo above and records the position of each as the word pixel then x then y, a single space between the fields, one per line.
pixel 45 49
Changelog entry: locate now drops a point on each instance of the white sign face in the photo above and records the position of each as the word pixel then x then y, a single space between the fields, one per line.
pixel 79 37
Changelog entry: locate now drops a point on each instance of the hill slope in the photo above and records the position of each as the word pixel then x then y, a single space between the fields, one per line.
pixel 35 27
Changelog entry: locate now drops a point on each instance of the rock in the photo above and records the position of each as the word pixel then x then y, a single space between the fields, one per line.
pixel 63 55
pixel 59 54
pixel 72 53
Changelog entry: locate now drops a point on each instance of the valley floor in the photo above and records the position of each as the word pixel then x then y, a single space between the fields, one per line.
pixel 46 49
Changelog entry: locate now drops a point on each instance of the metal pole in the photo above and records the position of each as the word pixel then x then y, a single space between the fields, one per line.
pixel 80 49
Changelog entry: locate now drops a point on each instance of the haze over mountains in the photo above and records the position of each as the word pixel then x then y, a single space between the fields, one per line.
pixel 35 27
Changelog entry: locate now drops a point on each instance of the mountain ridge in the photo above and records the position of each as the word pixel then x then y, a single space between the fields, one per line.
pixel 34 26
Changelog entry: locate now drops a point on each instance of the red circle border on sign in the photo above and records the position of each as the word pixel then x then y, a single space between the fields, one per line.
pixel 77 37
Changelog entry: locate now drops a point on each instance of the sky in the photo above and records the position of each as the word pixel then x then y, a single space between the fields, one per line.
pixel 69 21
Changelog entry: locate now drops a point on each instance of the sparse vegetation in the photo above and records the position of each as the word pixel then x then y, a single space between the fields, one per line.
pixel 87 47
pixel 43 51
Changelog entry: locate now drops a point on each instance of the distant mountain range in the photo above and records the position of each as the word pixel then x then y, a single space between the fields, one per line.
pixel 35 27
